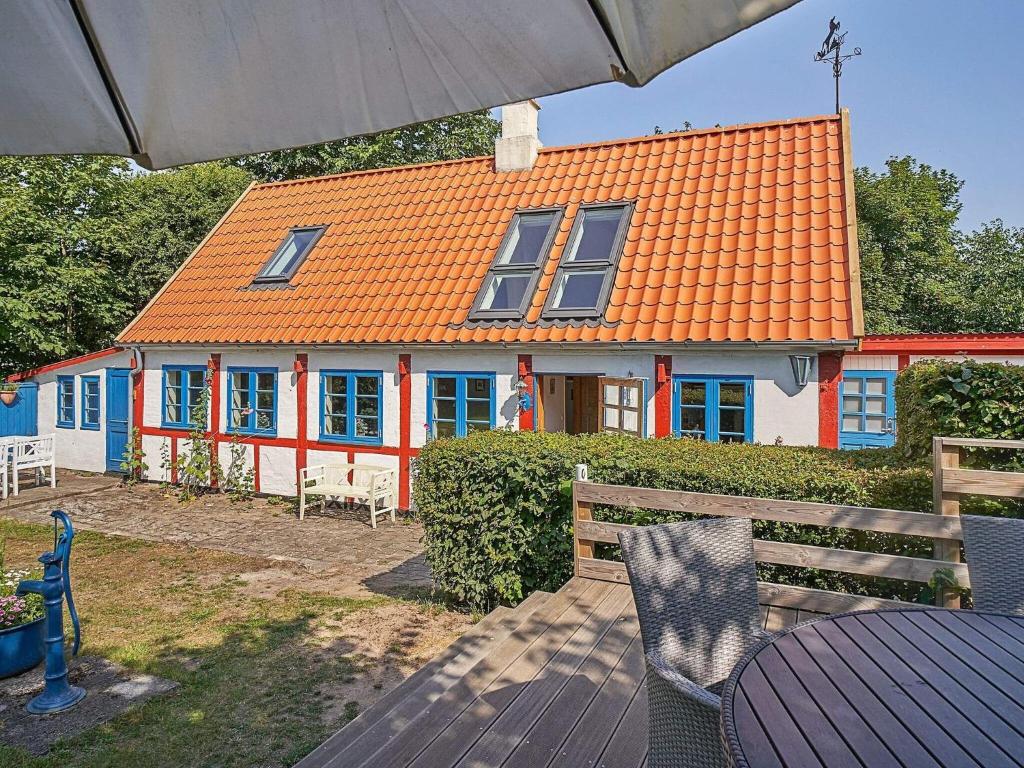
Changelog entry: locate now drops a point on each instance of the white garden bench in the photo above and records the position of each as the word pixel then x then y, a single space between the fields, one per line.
pixel 30 453
pixel 375 486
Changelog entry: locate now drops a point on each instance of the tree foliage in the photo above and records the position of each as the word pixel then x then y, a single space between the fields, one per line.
pixel 448 138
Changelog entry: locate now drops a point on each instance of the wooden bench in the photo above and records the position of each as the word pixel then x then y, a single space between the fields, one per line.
pixel 375 486
pixel 32 453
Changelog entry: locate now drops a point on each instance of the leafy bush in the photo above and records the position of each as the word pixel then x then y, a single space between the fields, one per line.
pixel 968 399
pixel 498 520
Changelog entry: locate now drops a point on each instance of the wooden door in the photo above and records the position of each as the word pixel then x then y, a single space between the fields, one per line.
pixel 620 405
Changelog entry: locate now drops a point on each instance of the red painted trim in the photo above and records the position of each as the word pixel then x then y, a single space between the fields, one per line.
pixel 404 427
pixel 902 361
pixel 943 344
pixel 662 395
pixel 256 467
pixel 64 363
pixel 526 374
pixel 174 461
pixel 830 374
pixel 213 366
pixel 301 400
pixel 138 401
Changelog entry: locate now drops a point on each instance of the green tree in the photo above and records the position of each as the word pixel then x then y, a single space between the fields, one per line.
pixel 448 138
pixel 59 294
pixel 906 219
pixel 166 215
pixel 993 278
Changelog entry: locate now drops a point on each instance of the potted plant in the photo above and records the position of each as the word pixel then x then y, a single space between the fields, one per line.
pixel 8 392
pixel 21 624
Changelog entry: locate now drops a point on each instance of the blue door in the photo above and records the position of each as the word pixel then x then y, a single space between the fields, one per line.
pixel 867 417
pixel 21 417
pixel 118 402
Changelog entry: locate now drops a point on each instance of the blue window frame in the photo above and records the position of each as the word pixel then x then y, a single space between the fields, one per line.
pixel 66 402
pixel 183 389
pixel 459 403
pixel 351 406
pixel 867 409
pixel 91 402
pixel 714 408
pixel 252 401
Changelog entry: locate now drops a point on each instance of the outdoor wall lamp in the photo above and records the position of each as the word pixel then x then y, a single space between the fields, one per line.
pixel 523 393
pixel 801 368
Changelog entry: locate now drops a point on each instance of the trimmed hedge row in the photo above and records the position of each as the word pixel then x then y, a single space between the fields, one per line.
pixel 497 513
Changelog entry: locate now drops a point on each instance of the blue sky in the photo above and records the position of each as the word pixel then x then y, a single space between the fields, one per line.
pixel 939 80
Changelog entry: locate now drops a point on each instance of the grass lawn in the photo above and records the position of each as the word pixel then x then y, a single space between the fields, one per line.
pixel 265 675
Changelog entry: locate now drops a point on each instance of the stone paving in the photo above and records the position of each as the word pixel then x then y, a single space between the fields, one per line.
pixel 337 545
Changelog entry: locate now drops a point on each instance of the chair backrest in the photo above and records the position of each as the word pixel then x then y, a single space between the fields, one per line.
pixel 695 589
pixel 33 450
pixel 993 546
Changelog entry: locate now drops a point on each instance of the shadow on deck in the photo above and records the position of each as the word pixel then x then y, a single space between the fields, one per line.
pixel 556 681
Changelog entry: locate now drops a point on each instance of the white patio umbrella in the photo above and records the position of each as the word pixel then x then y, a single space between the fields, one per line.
pixel 178 81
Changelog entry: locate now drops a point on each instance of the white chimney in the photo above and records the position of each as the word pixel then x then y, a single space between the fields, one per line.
pixel 516 149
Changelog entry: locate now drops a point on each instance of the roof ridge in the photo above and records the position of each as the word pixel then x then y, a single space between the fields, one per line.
pixel 562 148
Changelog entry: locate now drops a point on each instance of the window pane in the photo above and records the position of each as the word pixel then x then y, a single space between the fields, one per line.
pixel 444 409
pixel 173 414
pixel 611 417
pixel 596 235
pixel 444 428
pixel 732 394
pixel 367 427
pixel 477 387
pixel 578 290
pixel 875 386
pixel 336 385
pixel 265 382
pixel 265 401
pixel 851 404
pixel 172 395
pixel 366 385
pixel 505 291
pixel 853 386
pixel 173 379
pixel 851 423
pixel 694 393
pixel 238 420
pixel 478 410
pixel 693 420
pixel 264 420
pixel 630 421
pixel 731 438
pixel 730 420
pixel 525 243
pixel 875 405
pixel 196 379
pixel 477 426
pixel 336 424
pixel 444 387
pixel 611 394
pixel 874 423
pixel 294 247
pixel 367 405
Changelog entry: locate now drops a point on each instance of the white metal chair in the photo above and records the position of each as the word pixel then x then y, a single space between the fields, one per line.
pixel 376 486
pixel 34 453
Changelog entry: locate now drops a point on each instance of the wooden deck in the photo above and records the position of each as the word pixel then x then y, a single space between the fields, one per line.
pixel 555 682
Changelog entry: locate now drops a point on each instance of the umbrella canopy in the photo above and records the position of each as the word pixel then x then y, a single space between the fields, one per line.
pixel 169 82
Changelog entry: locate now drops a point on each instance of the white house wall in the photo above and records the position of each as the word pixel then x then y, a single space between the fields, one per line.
pixel 80 449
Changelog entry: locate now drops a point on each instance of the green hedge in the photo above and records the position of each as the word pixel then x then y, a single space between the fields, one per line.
pixel 969 399
pixel 497 517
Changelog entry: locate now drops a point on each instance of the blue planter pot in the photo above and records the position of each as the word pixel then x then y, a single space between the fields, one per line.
pixel 21 648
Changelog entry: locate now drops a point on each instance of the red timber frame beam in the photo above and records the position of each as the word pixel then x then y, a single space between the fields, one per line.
pixel 213 377
pixel 405 451
pixel 662 395
pixel 525 370
pixel 830 375
pixel 138 404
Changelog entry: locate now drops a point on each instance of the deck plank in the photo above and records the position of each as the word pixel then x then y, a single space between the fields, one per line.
pixel 627 747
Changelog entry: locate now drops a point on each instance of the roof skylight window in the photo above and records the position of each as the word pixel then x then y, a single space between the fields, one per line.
pixel 587 270
pixel 289 256
pixel 512 278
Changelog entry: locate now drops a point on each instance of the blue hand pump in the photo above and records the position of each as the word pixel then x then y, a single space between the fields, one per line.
pixel 55 586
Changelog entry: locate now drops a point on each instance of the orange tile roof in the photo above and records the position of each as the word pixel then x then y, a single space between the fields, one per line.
pixel 738 234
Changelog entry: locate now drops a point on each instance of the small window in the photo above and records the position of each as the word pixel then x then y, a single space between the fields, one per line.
pixel 350 406
pixel 252 401
pixel 714 408
pixel 587 270
pixel 290 254
pixel 91 402
pixel 66 402
pixel 459 403
pixel 183 392
pixel 509 286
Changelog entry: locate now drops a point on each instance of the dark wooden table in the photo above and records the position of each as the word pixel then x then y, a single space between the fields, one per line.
pixel 908 688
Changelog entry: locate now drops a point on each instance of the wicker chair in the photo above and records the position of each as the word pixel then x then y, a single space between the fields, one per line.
pixel 993 546
pixel 695 589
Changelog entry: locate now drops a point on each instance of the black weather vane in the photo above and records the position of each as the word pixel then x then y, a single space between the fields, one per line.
pixel 831 51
